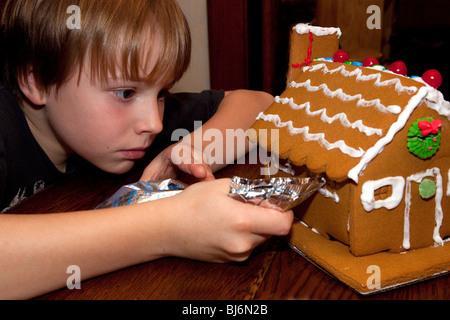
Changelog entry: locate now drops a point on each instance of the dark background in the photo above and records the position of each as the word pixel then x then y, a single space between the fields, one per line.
pixel 418 35
pixel 249 39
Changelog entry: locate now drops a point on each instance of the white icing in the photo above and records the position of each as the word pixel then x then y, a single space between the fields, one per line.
pixel 287 168
pixel 393 130
pixel 358 73
pixel 328 194
pixel 312 229
pixel 368 197
pixel 303 28
pixel 342 117
pixel 339 93
pixel 319 137
pixel 435 100
pixel 448 184
pixel 439 215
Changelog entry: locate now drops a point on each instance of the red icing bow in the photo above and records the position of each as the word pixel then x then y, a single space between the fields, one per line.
pixel 428 127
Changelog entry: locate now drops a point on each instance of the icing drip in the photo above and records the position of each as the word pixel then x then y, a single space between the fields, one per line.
pixel 287 168
pixel 399 87
pixel 328 194
pixel 339 93
pixel 303 28
pixel 439 215
pixel 448 184
pixel 307 61
pixel 393 130
pixel 319 137
pixel 342 117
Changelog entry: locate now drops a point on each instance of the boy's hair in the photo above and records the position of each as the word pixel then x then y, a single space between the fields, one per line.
pixel 113 34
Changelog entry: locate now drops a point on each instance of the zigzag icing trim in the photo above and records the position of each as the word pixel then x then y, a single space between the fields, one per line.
pixel 399 87
pixel 339 93
pixel 342 117
pixel 319 137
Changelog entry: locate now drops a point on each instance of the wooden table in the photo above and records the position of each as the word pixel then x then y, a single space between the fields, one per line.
pixel 274 271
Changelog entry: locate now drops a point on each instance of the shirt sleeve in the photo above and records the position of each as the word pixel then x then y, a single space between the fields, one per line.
pixel 182 111
pixel 3 174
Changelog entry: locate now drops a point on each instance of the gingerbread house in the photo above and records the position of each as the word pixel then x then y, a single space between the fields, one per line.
pixel 380 138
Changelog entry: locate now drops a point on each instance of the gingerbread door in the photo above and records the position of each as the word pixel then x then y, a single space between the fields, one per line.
pixel 423 209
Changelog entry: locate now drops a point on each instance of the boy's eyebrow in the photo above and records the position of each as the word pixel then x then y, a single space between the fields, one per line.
pixel 164 86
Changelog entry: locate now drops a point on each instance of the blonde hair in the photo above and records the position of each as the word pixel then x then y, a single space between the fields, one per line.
pixel 113 36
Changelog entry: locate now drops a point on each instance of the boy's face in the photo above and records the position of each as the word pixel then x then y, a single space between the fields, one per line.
pixel 111 125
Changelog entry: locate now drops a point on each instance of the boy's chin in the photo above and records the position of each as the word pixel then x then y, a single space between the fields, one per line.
pixel 118 169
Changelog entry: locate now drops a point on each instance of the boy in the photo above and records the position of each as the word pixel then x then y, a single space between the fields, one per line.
pixel 100 93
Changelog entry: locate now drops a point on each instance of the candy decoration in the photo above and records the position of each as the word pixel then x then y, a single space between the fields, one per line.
pixel 378 67
pixel 427 189
pixel 433 78
pixel 399 67
pixel 368 62
pixel 341 56
pixel 428 127
pixel 425 145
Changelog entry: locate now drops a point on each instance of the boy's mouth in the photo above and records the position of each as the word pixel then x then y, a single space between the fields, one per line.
pixel 134 154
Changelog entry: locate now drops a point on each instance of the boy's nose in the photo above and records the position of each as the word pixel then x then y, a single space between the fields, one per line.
pixel 149 118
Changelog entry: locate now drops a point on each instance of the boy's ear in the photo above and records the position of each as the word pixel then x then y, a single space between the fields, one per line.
pixel 31 90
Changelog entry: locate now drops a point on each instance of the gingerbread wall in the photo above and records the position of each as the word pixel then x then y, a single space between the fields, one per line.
pixel 383 229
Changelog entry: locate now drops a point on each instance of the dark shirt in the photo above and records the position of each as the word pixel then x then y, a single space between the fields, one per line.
pixel 25 168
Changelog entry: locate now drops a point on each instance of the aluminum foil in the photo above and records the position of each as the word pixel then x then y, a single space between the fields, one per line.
pixel 140 192
pixel 278 193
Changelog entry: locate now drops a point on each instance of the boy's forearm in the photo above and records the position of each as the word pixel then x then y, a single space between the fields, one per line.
pixel 238 110
pixel 39 248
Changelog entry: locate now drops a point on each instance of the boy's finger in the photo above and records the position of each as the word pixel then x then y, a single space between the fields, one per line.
pixel 198 171
pixel 264 221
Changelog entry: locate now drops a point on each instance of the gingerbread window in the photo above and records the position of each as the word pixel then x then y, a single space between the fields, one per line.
pixel 384 193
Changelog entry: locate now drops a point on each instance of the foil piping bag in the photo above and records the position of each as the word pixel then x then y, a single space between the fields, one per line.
pixel 278 193
pixel 143 191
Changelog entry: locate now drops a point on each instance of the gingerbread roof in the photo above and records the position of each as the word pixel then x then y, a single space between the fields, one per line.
pixel 335 118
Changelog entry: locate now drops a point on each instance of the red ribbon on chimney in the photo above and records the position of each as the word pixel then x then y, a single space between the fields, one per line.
pixel 308 59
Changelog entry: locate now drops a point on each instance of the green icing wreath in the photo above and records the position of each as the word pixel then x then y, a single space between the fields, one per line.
pixel 423 146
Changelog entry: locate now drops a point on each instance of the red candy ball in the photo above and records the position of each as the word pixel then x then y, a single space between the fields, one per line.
pixel 399 67
pixel 341 56
pixel 368 62
pixel 433 78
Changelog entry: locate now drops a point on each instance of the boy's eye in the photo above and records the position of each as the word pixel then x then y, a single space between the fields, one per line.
pixel 125 94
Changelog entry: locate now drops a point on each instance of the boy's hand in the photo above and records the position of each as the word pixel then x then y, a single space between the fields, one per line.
pixel 208 225
pixel 169 163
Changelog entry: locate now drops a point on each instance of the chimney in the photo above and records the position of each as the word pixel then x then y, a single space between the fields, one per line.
pixel 325 43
